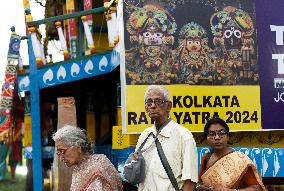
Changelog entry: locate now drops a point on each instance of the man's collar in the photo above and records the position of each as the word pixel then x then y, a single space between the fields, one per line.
pixel 165 131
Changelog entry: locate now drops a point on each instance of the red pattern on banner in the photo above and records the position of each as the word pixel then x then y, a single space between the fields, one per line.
pixel 88 6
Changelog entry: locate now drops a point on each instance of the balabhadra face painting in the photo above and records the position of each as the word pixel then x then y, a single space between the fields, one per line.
pixel 152 26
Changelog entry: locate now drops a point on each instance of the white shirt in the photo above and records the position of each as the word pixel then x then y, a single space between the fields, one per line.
pixel 180 149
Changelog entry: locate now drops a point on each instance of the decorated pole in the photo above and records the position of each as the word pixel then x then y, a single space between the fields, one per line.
pixel 37 46
pixel 62 40
pixel 109 26
pixel 113 30
pixel 113 12
pixel 28 17
pixel 89 37
pixel 87 6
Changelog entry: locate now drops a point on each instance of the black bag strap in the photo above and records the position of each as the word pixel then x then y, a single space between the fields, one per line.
pixel 166 164
pixel 142 145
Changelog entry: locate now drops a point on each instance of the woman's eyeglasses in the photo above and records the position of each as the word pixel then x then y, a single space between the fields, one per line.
pixel 157 102
pixel 221 134
pixel 60 152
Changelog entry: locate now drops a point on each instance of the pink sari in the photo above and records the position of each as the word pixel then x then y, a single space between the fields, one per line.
pixel 95 174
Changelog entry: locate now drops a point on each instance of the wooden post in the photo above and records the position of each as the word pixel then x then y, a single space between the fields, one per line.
pixel 66 115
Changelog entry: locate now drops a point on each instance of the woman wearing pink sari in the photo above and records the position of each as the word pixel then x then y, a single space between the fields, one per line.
pixel 224 169
pixel 91 172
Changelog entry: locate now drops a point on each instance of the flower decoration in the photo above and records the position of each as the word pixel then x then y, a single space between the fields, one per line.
pixel 231 17
pixel 192 30
pixel 153 16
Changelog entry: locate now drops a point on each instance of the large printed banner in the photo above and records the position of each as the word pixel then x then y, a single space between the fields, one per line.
pixel 204 52
pixel 270 23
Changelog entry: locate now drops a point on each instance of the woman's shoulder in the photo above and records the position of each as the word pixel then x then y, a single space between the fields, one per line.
pixel 102 162
pixel 100 158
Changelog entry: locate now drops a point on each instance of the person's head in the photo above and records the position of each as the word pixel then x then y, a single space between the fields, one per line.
pixel 216 131
pixel 71 144
pixel 157 103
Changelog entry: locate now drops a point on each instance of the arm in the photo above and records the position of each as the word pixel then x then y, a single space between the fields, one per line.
pixel 250 188
pixel 199 185
pixel 98 184
pixel 188 185
pixel 189 163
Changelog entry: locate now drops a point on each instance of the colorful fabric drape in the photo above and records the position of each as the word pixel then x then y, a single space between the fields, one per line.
pixel 8 87
pixel 228 171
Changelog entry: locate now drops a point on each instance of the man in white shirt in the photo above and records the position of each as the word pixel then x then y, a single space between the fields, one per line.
pixel 177 142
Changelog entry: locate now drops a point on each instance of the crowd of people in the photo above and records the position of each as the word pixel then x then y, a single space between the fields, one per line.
pixel 169 153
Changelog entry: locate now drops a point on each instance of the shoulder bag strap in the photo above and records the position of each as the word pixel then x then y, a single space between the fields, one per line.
pixel 166 165
pixel 142 145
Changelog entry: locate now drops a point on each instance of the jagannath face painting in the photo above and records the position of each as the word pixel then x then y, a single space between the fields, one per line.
pixel 152 28
pixel 233 31
pixel 232 36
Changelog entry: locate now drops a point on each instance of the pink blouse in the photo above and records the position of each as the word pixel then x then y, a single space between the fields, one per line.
pixel 96 173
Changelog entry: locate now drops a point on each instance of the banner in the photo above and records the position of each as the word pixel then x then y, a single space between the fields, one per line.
pixel 271 61
pixel 8 87
pixel 203 52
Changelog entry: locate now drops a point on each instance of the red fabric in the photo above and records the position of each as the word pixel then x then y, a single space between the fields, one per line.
pixel 249 178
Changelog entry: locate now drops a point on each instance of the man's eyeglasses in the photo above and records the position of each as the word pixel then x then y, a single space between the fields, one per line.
pixel 221 134
pixel 60 152
pixel 157 102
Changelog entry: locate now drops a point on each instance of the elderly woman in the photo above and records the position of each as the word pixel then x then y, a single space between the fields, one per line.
pixel 224 169
pixel 91 172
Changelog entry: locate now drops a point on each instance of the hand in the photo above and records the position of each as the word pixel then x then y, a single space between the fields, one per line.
pixel 201 187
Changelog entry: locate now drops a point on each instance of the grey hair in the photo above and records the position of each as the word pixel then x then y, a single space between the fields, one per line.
pixel 158 88
pixel 73 136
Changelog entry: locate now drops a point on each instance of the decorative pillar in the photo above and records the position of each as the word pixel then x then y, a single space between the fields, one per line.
pixel 62 40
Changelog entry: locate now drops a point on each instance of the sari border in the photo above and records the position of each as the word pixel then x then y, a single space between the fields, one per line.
pixel 90 180
pixel 256 175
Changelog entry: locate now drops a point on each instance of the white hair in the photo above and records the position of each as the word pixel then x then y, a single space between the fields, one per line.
pixel 73 136
pixel 160 89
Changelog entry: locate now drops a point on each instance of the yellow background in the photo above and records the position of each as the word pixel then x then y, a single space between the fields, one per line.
pixel 248 98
